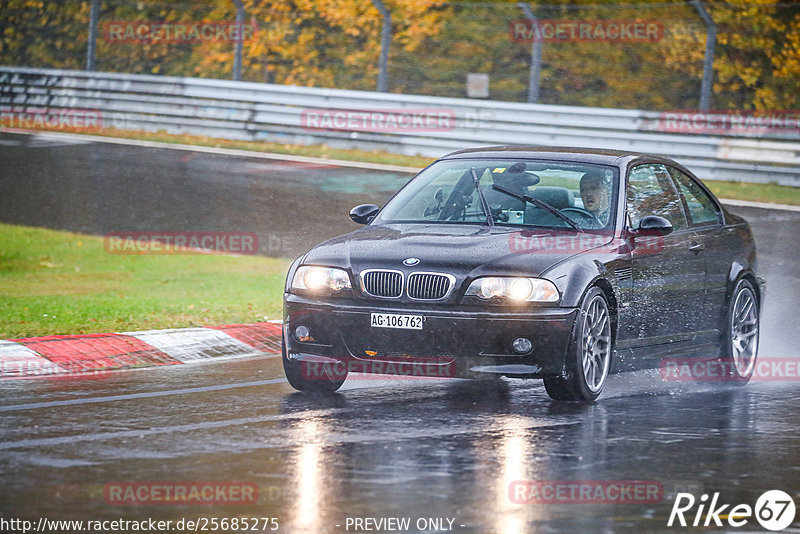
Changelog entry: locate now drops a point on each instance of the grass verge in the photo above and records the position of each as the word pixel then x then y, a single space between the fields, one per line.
pixel 772 193
pixel 55 282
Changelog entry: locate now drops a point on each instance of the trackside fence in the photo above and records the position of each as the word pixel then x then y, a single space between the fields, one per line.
pixel 754 150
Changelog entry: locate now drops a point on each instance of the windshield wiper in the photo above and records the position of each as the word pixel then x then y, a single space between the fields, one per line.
pixel 484 204
pixel 540 203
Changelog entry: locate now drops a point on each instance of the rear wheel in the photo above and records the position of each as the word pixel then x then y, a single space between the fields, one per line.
pixel 740 344
pixel 312 377
pixel 588 355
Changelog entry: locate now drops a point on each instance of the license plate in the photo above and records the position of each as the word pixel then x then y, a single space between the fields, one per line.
pixel 391 320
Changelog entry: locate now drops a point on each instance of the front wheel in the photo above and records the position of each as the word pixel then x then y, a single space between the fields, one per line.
pixel 312 377
pixel 740 343
pixel 589 353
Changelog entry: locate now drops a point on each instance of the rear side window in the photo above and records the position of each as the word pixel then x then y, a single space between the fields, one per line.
pixel 701 208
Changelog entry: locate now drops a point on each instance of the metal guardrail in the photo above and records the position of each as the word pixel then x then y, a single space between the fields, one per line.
pixel 275 113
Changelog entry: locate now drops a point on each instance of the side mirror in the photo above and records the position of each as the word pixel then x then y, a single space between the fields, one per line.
pixel 439 195
pixel 364 213
pixel 653 225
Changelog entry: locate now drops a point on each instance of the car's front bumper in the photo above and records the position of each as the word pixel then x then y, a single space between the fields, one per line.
pixel 458 343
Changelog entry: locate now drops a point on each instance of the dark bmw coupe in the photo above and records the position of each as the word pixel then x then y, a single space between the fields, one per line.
pixel 560 264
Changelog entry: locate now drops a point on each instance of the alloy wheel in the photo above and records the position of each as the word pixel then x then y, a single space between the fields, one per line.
pixel 744 332
pixel 596 343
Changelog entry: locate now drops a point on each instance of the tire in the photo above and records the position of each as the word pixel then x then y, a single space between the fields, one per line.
pixel 589 353
pixel 326 382
pixel 742 327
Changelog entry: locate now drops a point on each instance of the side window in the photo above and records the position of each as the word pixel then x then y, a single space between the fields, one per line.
pixel 651 192
pixel 702 209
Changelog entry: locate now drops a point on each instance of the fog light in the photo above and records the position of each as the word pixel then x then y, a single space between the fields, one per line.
pixel 522 345
pixel 302 333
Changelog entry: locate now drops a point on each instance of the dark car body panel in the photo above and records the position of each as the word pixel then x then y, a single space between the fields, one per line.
pixel 451 335
pixel 666 299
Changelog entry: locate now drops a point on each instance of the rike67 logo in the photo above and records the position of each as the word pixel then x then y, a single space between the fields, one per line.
pixel 774 510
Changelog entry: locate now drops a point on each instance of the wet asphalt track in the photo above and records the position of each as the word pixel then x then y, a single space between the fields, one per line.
pixel 102 188
pixel 380 448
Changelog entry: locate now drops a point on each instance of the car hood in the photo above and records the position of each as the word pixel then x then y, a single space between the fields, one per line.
pixel 465 250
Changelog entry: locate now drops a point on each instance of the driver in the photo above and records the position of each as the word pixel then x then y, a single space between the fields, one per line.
pixel 595 195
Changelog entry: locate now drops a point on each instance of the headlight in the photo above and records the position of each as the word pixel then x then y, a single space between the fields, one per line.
pixel 490 287
pixel 327 280
pixel 515 289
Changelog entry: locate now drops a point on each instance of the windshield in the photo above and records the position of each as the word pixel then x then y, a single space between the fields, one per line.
pixel 515 191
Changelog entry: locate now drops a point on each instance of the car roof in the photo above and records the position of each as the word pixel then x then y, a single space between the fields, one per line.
pixel 572 154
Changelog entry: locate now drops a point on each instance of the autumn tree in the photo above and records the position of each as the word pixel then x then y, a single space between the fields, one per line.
pixel 43 33
pixel 436 43
pixel 328 43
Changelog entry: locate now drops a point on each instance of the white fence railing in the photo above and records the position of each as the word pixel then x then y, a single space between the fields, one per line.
pixel 278 113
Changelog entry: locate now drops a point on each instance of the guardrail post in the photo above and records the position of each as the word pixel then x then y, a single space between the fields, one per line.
pixel 94 15
pixel 536 54
pixel 386 39
pixel 237 55
pixel 708 59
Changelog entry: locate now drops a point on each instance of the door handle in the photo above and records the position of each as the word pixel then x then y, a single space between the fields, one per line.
pixel 697 247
